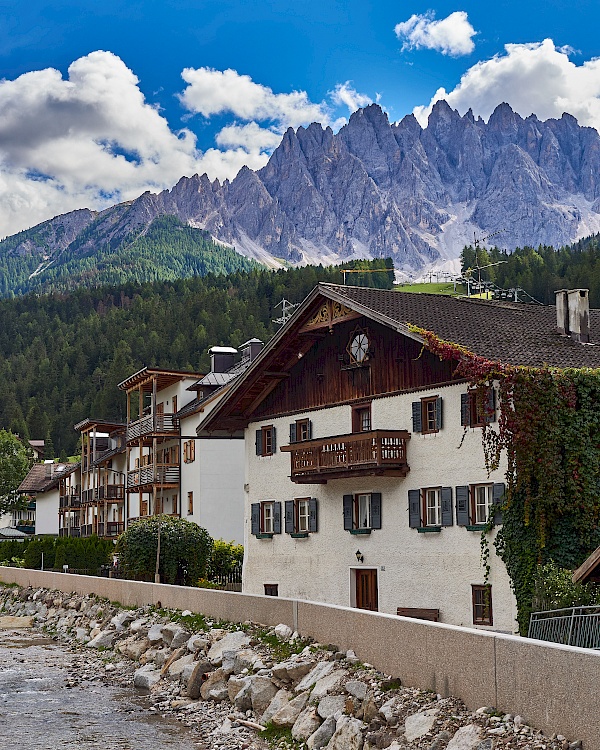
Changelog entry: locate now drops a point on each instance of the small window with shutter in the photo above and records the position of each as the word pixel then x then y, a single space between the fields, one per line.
pixel 301 516
pixel 478 407
pixel 265 442
pixel 427 415
pixel 265 518
pixel 362 512
pixel 430 508
pixel 482 605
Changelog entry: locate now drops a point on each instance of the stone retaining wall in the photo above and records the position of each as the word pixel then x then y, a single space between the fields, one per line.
pixel 555 687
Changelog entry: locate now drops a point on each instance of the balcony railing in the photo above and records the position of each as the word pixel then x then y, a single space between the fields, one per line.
pixel 380 452
pixel 111 492
pixel 153 474
pixel 69 501
pixel 575 626
pixel 70 531
pixel 111 528
pixel 161 424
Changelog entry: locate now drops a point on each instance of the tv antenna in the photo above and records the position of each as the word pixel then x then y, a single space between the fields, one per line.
pixel 476 242
pixel 287 309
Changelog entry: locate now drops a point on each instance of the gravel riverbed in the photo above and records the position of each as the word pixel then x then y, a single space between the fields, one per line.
pixel 202 684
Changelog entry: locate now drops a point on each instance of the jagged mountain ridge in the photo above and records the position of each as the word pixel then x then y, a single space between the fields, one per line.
pixel 374 189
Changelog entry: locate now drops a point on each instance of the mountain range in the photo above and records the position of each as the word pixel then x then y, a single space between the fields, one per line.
pixel 374 189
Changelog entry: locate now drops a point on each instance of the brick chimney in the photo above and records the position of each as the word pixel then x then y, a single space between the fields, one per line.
pixel 573 314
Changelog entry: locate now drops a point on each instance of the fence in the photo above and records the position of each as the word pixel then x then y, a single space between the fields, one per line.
pixel 573 626
pixel 554 687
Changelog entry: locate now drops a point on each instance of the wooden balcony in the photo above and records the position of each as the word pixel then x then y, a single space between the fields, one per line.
pixel 165 475
pixel 376 453
pixel 112 492
pixel 111 528
pixel 153 424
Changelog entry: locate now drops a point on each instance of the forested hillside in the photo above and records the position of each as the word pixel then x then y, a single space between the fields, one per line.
pixel 166 250
pixel 541 271
pixel 62 355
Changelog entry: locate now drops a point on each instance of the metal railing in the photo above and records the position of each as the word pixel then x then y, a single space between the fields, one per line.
pixel 153 474
pixel 378 449
pixel 151 424
pixel 573 626
pixel 111 528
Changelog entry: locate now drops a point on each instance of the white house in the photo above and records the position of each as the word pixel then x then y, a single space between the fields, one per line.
pixel 41 487
pixel 366 482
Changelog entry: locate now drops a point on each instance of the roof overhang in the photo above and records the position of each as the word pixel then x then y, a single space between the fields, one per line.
pixel 145 378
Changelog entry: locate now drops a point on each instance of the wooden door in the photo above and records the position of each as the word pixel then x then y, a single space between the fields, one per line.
pixel 366 589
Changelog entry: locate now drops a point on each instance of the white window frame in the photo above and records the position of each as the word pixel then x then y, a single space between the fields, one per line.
pixel 362 510
pixel 481 510
pixel 267 517
pixel 302 515
pixel 432 506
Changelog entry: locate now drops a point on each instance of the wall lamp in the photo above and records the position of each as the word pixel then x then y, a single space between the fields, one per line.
pixel 359 556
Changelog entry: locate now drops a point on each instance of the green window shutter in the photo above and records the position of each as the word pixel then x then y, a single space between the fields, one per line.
pixel 465 409
pixel 258 443
pixel 498 499
pixel 277 518
pixel 416 417
pixel 414 509
pixel 462 505
pixel 376 510
pixel 255 518
pixel 289 517
pixel 348 502
pixel 438 413
pixel 309 429
pixel 293 432
pixel 490 405
pixel 273 439
pixel 447 513
pixel 313 519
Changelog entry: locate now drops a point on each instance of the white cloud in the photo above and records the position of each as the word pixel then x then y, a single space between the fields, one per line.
pixel 251 137
pixel 534 78
pixel 452 35
pixel 345 95
pixel 213 92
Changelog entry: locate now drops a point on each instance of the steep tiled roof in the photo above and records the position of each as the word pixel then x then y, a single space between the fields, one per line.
pixel 42 476
pixel 514 333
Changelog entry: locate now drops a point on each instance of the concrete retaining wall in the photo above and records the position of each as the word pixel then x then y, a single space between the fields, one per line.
pixel 555 688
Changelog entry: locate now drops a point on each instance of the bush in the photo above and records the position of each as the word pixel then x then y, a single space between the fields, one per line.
pixel 224 558
pixel 185 549
pixel 554 589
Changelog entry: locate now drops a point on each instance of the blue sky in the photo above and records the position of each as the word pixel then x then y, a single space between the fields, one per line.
pixel 100 101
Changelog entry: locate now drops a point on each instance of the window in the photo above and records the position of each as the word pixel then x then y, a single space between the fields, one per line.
pixel 362 512
pixel 482 499
pixel 432 506
pixel 300 430
pixel 358 347
pixel 271 589
pixel 189 451
pixel 482 605
pixel 190 503
pixel 174 504
pixel 265 441
pixel 427 415
pixel 265 518
pixel 361 418
pixel 301 516
pixel 478 407
pixel 473 503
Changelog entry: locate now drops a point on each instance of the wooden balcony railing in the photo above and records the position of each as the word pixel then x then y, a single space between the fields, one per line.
pixel 153 424
pixel 111 528
pixel 111 492
pixel 69 501
pixel 380 452
pixel 167 474
pixel 70 531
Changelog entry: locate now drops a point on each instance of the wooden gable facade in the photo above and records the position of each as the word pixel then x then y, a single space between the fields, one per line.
pixel 310 364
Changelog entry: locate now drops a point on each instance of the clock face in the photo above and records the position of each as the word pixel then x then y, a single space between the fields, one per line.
pixel 359 347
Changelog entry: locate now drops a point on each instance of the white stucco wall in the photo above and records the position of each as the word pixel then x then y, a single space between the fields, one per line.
pixel 46 512
pixel 433 570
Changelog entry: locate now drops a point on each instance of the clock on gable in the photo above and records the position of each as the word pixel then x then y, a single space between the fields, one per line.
pixel 358 346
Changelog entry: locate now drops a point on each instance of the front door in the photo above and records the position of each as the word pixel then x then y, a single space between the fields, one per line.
pixel 366 589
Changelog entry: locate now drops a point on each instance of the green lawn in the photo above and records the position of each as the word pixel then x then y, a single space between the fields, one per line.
pixel 445 288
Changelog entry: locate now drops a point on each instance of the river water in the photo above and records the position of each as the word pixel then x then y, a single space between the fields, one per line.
pixel 39 711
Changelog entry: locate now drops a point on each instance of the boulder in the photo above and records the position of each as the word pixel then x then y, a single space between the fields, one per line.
pixel 231 642
pixel 388 711
pixel 244 659
pixel 331 704
pixel 146 677
pixel 467 738
pixel 283 632
pixel 155 635
pixel 306 724
pixel 228 661
pixel 215 681
pixel 135 649
pixel 218 693
pixel 122 620
pixel 234 685
pixel 198 678
pixel 357 689
pixel 177 667
pixel 169 631
pixel 327 683
pixel 287 715
pixel 262 691
pixel 180 638
pixel 347 735
pixel 292 670
pixel 197 643
pixel 323 734
pixel 139 626
pixel 322 669
pixel 281 699
pixel 104 639
pixel 418 724
pixel 243 698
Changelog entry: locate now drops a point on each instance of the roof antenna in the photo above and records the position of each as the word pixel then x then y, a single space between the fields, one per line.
pixel 287 309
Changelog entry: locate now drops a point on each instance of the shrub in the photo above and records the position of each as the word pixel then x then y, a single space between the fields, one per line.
pixel 554 589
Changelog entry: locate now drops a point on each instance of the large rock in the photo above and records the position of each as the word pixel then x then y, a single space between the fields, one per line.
pixel 244 659
pixel 155 635
pixel 287 715
pixel 197 678
pixel 306 724
pixel 197 643
pixel 322 669
pixel 122 620
pixel 323 734
pixel 357 689
pixel 467 738
pixel 177 667
pixel 330 705
pixel 216 680
pixel 146 677
pixel 418 724
pixel 281 699
pixel 135 649
pixel 293 669
pixel 283 632
pixel 262 692
pixel 243 697
pixel 180 638
pixel 347 736
pixel 327 683
pixel 231 642
pixel 104 639
pixel 169 631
